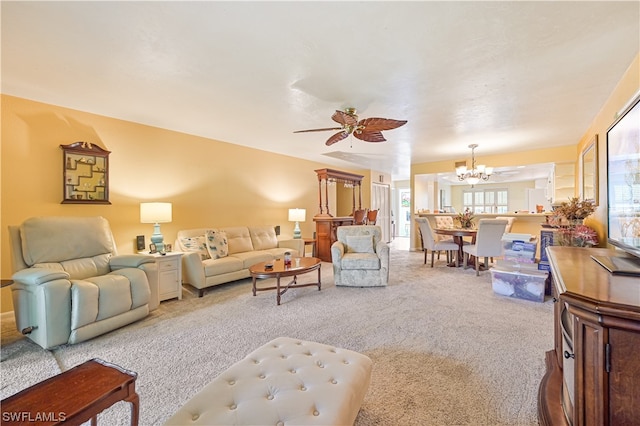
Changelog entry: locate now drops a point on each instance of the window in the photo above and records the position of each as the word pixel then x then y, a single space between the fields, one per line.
pixel 486 201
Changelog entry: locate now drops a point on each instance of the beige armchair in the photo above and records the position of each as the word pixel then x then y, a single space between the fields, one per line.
pixel 360 258
pixel 69 284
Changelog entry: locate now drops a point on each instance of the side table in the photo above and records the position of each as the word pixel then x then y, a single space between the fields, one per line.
pixel 309 242
pixel 74 396
pixel 169 274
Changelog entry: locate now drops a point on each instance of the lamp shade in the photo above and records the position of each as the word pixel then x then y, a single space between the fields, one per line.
pixel 297 215
pixel 155 212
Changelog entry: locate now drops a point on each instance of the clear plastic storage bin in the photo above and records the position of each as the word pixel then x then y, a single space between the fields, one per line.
pixel 522 283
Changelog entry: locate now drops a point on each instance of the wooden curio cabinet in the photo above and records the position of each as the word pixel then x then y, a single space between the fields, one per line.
pixel 326 223
pixel 593 372
pixel 85 174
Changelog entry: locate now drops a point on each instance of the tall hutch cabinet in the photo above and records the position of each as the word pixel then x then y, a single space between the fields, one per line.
pixel 593 371
pixel 326 223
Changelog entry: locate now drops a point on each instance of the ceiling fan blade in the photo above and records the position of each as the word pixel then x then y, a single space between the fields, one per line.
pixel 369 136
pixel 318 130
pixel 378 124
pixel 344 118
pixel 337 137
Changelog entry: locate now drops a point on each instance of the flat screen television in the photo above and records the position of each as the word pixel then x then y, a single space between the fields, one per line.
pixel 623 184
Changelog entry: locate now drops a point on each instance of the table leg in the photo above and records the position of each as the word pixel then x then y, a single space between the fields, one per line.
pixel 319 281
pixel 135 408
pixel 254 286
pixel 278 288
pixel 460 243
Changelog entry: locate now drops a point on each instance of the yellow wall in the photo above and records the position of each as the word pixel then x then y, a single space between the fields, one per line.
pixel 628 85
pixel 210 183
pixel 537 156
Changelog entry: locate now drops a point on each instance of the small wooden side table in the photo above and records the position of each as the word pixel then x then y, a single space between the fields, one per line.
pixel 73 397
pixel 309 242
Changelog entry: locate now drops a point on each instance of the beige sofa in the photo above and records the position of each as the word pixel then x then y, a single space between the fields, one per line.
pixel 246 246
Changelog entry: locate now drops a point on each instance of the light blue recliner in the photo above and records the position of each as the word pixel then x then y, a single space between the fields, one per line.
pixel 360 258
pixel 69 284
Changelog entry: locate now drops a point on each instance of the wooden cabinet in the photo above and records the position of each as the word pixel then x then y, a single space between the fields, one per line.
pixel 326 234
pixel 593 373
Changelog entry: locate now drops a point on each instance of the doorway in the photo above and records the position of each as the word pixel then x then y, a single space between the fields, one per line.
pixel 403 228
pixel 381 200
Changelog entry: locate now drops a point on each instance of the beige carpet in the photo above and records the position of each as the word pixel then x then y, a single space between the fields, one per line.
pixel 446 349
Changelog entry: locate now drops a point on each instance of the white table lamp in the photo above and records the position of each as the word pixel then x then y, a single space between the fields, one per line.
pixel 156 213
pixel 297 215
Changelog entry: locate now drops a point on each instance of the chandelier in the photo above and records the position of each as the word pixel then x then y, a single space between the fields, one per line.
pixel 477 173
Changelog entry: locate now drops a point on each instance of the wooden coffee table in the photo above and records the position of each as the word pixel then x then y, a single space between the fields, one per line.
pixel 299 266
pixel 73 397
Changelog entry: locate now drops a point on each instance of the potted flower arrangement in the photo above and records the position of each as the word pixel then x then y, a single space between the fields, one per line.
pixel 570 216
pixel 465 219
pixel 574 211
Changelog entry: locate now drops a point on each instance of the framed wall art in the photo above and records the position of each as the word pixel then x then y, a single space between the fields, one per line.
pixel 589 171
pixel 85 177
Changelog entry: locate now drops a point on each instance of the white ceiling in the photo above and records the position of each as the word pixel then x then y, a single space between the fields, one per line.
pixel 509 76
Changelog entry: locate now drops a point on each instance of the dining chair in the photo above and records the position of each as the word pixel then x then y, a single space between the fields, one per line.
pixel 509 220
pixel 488 242
pixel 359 217
pixel 429 242
pixel 443 222
pixel 372 216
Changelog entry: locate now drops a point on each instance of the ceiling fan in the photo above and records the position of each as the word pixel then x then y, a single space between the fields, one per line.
pixel 367 129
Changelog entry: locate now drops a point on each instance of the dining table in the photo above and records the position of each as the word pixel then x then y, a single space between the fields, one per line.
pixel 458 235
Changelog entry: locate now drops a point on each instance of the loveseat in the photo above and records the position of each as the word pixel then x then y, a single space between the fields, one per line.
pixel 215 256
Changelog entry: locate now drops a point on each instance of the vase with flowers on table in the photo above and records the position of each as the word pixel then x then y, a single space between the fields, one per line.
pixel 569 218
pixel 464 220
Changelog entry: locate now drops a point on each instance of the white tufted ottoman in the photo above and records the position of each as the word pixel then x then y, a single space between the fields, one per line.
pixel 285 382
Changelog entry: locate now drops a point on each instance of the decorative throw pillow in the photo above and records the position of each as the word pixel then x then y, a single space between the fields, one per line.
pixel 217 245
pixel 360 244
pixel 195 244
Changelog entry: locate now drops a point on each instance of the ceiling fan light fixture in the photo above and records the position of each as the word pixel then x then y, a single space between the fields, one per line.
pixel 367 129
